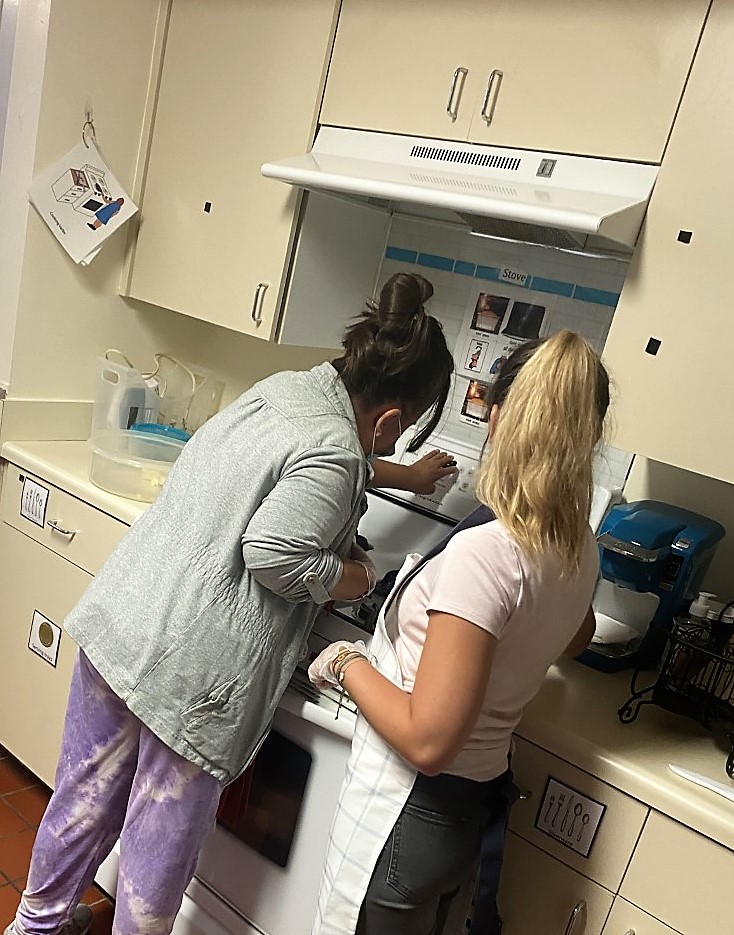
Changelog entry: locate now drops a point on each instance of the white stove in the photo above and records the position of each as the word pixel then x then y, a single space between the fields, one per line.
pixel 262 876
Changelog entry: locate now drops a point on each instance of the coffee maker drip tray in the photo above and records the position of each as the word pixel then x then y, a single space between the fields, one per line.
pixel 622 615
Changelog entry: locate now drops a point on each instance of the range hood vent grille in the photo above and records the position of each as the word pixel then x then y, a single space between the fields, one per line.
pixel 464 183
pixel 459 157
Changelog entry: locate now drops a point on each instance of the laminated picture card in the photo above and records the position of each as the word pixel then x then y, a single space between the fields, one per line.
pixel 81 201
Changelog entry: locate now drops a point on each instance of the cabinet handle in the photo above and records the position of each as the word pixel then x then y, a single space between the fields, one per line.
pixel 573 918
pixel 488 112
pixel 525 794
pixel 456 82
pixel 257 305
pixel 54 524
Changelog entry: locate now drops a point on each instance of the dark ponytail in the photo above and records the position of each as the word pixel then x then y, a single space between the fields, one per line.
pixel 397 352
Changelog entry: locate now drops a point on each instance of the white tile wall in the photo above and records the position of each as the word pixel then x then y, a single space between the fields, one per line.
pixel 452 292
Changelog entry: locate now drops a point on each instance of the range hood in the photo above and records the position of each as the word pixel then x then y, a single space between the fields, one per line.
pixel 539 197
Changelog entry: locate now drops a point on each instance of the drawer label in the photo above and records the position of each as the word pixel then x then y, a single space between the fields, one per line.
pixel 33 501
pixel 45 638
pixel 569 817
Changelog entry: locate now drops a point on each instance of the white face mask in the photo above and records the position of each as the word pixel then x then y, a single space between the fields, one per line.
pixel 372 457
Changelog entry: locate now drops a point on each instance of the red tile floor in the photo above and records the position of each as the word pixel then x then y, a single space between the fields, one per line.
pixel 23 799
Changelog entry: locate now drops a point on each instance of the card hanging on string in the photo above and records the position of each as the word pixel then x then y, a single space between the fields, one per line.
pixel 81 200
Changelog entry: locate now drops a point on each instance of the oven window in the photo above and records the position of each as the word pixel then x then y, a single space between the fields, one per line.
pixel 268 820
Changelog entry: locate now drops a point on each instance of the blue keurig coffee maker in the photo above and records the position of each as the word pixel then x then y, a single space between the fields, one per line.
pixel 653 558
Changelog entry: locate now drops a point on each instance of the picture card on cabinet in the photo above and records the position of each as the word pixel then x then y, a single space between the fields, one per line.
pixel 81 202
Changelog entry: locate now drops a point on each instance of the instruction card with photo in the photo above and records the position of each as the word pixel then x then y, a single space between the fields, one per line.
pixel 81 201
pixel 497 320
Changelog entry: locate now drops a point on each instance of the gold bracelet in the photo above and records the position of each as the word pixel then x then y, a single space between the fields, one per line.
pixel 345 665
pixel 342 662
pixel 339 658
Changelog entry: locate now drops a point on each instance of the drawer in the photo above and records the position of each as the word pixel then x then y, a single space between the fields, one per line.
pixel 539 895
pixel 681 878
pixel 33 692
pixel 618 831
pixel 72 528
pixel 626 919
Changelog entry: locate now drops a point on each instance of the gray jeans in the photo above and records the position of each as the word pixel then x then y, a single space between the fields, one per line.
pixel 431 851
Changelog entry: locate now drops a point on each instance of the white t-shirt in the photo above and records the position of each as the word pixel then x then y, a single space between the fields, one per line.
pixel 483 576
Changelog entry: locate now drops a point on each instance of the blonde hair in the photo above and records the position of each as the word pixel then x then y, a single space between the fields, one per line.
pixel 538 476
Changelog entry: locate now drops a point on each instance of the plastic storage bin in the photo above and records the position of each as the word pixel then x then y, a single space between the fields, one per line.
pixel 132 464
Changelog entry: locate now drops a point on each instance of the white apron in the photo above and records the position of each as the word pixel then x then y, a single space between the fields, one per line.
pixel 377 784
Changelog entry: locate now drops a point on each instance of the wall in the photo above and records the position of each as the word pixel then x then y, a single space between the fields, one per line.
pixel 460 265
pixel 579 293
pixel 8 19
pixel 100 53
pixel 16 161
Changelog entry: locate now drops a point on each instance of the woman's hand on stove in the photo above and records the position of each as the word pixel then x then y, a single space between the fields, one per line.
pixel 428 470
pixel 329 666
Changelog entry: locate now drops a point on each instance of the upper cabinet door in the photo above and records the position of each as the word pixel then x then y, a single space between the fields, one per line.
pixel 598 79
pixel 669 347
pixel 240 84
pixel 403 66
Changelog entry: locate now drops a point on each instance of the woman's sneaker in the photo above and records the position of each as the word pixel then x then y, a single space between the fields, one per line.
pixel 79 924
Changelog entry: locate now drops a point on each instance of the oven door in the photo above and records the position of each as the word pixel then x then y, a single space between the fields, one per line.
pixel 267 865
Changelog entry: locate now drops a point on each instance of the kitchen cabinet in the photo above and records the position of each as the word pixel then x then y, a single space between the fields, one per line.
pixel 241 81
pixel 619 828
pixel 626 919
pixel 45 568
pixel 33 692
pixel 597 79
pixel 677 876
pixel 669 347
pixel 540 894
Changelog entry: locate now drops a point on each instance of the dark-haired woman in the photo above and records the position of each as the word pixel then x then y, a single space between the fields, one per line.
pixel 191 631
pixel 461 646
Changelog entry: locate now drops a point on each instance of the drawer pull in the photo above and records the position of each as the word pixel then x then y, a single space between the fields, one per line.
pixel 573 918
pixel 525 794
pixel 68 533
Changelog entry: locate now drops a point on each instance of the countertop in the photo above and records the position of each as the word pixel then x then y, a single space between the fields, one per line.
pixel 66 465
pixel 574 716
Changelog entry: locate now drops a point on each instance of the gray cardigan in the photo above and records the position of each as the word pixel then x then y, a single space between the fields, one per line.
pixel 198 617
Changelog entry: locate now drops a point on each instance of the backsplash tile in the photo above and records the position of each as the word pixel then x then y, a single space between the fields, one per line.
pixel 584 292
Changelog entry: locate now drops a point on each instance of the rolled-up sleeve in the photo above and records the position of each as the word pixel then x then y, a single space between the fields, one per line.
pixel 291 533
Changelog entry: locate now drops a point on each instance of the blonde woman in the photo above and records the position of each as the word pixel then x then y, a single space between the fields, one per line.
pixel 463 643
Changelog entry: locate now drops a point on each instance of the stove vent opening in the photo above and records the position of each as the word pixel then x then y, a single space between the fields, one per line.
pixel 457 156
pixel 527 233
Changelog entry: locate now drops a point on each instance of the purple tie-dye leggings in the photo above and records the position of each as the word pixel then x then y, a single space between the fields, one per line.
pixel 116 779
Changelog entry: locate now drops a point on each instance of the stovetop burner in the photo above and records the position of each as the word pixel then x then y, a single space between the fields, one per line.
pixel 329 698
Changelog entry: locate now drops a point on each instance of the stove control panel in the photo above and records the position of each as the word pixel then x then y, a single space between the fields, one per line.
pixel 454 497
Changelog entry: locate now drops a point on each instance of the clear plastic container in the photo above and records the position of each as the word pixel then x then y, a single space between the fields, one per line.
pixel 121 397
pixel 132 464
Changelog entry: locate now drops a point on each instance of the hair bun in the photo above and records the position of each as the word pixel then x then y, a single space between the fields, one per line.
pixel 399 311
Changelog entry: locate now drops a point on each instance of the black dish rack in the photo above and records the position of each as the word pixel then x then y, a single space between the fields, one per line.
pixel 696 680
